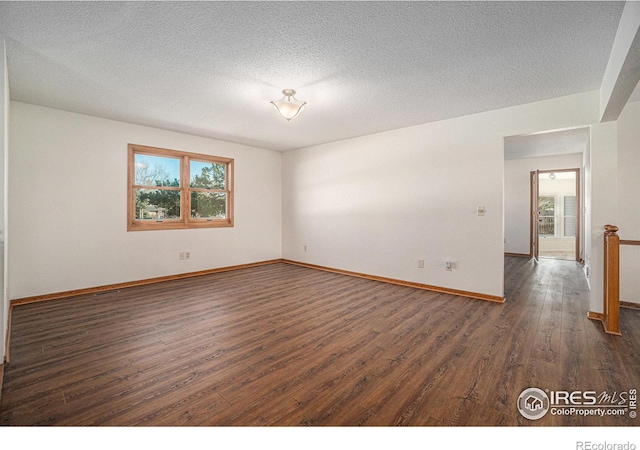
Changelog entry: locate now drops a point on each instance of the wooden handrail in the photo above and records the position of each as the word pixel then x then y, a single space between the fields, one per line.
pixel 611 288
pixel 629 242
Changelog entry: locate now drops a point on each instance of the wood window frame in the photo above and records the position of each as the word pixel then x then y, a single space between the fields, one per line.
pixel 186 221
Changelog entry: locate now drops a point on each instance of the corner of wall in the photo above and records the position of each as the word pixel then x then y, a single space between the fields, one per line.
pixel 604 168
pixel 4 149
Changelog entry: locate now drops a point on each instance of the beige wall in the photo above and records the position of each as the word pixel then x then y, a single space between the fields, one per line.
pixel 4 152
pixel 68 205
pixel 629 200
pixel 375 204
pixel 379 203
pixel 604 167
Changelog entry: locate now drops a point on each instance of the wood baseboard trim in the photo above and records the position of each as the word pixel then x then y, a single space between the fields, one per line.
pixel 8 336
pixel 1 380
pixel 124 285
pixel 474 295
pixel 112 287
pixel 600 318
pixel 629 305
pixel 595 316
pixel 6 352
pixel 518 255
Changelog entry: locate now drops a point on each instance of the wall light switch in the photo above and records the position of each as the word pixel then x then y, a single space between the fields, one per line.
pixel 481 210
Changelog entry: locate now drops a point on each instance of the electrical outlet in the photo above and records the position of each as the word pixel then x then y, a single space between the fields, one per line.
pixel 181 256
pixel 421 264
pixel 448 265
pixel 187 255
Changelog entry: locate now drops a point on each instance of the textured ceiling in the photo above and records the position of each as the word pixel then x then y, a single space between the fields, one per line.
pixel 560 142
pixel 211 68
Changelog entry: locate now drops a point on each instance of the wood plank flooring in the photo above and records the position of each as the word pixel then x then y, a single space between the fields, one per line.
pixel 283 345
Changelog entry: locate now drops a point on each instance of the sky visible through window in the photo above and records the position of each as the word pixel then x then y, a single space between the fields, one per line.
pixel 168 167
pixel 196 168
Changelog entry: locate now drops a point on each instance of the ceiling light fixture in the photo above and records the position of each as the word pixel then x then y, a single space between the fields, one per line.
pixel 288 106
pixel 552 176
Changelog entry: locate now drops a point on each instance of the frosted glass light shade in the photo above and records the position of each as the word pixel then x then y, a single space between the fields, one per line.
pixel 288 106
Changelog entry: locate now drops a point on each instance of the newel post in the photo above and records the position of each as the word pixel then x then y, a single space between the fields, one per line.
pixel 611 286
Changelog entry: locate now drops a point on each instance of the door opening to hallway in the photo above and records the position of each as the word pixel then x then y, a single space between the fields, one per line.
pixel 555 228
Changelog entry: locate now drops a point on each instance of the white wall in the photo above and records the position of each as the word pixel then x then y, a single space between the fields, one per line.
pixel 629 200
pixel 586 211
pixel 4 153
pixel 517 193
pixel 379 203
pixel 68 205
pixel 604 165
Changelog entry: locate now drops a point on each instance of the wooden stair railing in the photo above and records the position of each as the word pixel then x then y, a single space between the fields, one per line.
pixel 610 315
pixel 611 287
pixel 635 304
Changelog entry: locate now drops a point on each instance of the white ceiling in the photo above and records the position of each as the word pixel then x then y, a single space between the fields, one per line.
pixel 211 68
pixel 561 142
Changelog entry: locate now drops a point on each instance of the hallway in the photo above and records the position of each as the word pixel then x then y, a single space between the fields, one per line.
pixel 568 351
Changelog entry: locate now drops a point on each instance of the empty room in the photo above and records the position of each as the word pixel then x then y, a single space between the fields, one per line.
pixel 334 214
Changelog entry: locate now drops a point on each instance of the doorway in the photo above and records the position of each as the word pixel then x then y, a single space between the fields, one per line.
pixel 555 214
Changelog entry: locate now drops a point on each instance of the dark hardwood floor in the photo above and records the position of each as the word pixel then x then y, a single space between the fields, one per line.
pixel 282 345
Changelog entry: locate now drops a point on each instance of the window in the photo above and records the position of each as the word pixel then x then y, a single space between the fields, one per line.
pixel 169 189
pixel 547 217
pixel 570 210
